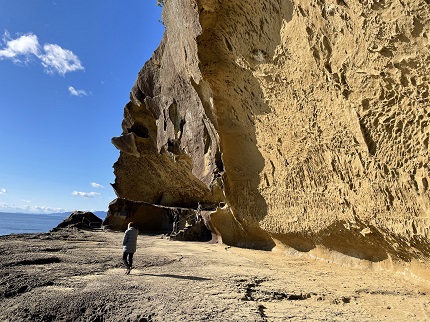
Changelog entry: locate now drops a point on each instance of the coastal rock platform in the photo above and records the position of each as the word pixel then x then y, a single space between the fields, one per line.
pixel 76 275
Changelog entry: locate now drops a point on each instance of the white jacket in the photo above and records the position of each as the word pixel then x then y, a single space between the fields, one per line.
pixel 129 241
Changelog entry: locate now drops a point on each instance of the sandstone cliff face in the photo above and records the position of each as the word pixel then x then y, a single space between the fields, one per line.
pixel 309 119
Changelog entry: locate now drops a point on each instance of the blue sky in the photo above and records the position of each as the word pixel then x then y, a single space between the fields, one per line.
pixel 66 71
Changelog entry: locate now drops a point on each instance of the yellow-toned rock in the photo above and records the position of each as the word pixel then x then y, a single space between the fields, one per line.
pixel 309 119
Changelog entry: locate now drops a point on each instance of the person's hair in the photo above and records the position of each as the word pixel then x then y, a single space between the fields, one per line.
pixel 131 224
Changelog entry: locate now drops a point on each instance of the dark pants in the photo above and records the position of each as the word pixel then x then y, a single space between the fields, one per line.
pixel 127 259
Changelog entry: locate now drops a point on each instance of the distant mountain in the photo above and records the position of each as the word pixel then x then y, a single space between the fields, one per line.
pixel 100 214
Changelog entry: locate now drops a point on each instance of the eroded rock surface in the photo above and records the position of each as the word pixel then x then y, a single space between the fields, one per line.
pixel 308 119
pixel 75 275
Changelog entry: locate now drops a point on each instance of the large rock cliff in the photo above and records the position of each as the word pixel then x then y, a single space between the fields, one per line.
pixel 302 123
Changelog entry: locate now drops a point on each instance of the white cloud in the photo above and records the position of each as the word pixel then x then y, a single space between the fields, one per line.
pixel 85 195
pixel 3 191
pixel 22 46
pixel 96 185
pixel 46 209
pixel 77 92
pixel 53 58
pixel 57 59
pixel 5 206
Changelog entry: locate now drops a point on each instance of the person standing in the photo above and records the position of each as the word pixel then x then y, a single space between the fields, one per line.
pixel 175 220
pixel 129 244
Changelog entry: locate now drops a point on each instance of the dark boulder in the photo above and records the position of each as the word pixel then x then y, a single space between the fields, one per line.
pixel 81 220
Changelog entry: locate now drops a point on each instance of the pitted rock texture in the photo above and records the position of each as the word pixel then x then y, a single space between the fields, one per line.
pixel 308 119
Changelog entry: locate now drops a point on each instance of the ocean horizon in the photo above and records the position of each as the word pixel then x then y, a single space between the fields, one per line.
pixel 24 223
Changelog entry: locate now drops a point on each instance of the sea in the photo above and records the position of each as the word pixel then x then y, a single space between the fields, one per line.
pixel 16 223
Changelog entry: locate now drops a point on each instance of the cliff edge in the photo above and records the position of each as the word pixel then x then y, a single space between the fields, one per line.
pixel 296 123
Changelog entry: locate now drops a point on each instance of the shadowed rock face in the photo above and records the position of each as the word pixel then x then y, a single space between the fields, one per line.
pixel 147 218
pixel 80 219
pixel 310 120
pixel 186 225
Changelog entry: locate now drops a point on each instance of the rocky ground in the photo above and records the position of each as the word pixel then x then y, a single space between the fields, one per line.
pixel 75 275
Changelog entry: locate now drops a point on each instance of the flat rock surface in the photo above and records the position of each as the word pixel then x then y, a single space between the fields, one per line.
pixel 74 275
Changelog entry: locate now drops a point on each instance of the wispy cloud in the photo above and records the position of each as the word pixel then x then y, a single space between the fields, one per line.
pixel 45 209
pixel 31 209
pixel 77 92
pixel 96 185
pixel 3 191
pixel 57 59
pixel 53 58
pixel 5 206
pixel 85 195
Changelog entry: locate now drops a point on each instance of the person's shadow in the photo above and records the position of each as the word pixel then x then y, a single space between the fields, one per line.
pixel 186 277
